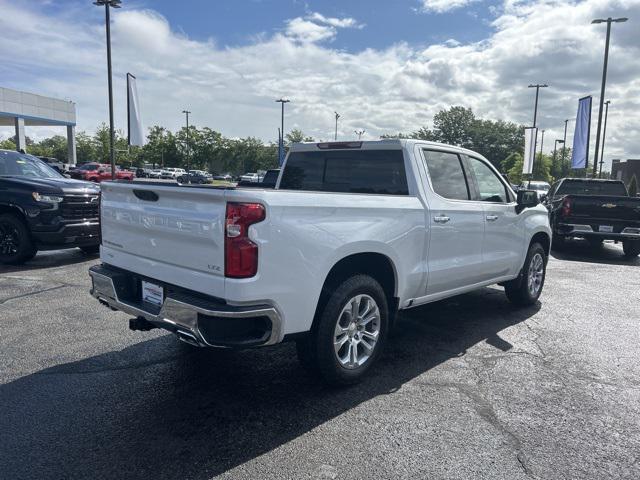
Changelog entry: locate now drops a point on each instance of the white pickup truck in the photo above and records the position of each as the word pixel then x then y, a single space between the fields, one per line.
pixel 352 233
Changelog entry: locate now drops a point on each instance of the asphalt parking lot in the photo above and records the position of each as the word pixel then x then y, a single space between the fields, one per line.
pixel 469 387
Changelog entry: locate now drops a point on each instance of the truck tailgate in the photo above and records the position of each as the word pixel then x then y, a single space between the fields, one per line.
pixel 602 208
pixel 165 226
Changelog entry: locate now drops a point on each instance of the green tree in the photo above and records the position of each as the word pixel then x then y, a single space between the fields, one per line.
pixel 453 126
pixel 515 171
pixel 496 140
pixel 7 144
pixel 296 136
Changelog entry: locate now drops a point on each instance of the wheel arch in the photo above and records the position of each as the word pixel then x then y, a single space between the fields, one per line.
pixel 15 209
pixel 375 264
pixel 543 239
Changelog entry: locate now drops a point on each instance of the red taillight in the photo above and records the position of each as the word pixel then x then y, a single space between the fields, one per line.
pixel 241 254
pixel 566 207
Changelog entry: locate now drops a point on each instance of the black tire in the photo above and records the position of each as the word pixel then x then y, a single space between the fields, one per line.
pixel 594 242
pixel 16 245
pixel 91 249
pixel 518 291
pixel 317 353
pixel 631 248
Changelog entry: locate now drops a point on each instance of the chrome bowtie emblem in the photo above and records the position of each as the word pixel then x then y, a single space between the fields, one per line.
pixel 608 205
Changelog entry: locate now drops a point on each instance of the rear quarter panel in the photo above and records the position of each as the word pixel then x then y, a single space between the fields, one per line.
pixel 306 233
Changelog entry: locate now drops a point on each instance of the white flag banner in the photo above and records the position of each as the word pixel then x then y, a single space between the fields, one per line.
pixel 135 129
pixel 530 136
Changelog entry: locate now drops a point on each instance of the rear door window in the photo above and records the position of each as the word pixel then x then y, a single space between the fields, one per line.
pixel 346 171
pixel 447 176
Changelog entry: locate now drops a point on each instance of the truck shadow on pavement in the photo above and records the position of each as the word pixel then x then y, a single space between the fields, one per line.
pixel 581 251
pixel 160 409
pixel 50 259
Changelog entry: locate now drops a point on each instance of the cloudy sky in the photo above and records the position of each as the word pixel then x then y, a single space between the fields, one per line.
pixel 385 66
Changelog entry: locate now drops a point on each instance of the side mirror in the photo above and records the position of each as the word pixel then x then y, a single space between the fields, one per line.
pixel 543 198
pixel 526 199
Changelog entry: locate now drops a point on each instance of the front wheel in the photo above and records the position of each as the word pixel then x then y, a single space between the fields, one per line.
pixel 16 246
pixel 526 289
pixel 631 248
pixel 350 333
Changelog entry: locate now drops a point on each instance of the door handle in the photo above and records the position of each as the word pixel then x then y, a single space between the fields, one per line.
pixel 492 218
pixel 441 219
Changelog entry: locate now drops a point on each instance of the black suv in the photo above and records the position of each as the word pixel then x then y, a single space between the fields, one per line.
pixel 42 210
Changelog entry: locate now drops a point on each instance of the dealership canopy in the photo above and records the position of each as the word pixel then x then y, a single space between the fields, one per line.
pixel 20 109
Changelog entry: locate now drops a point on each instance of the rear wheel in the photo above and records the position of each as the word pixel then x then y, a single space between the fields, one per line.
pixel 594 242
pixel 631 248
pixel 350 334
pixel 16 245
pixel 526 289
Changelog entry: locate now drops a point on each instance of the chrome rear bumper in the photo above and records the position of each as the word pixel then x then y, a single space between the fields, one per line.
pixel 184 314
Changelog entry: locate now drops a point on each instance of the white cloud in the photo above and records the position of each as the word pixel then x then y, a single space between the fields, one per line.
pixel 400 88
pixel 308 31
pixel 347 22
pixel 442 6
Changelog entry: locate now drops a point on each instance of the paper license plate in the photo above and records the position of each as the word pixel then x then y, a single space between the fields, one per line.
pixel 152 293
pixel 605 228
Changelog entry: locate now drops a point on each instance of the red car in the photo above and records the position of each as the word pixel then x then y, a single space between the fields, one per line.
pixel 97 172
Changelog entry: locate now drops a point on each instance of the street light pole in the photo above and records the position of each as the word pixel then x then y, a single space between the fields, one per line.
pixel 359 133
pixel 537 86
pixel 604 133
pixel 608 21
pixel 282 101
pixel 187 112
pixel 107 19
pixel 336 134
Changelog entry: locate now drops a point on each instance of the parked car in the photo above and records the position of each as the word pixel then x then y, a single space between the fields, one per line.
pixel 226 177
pixel 250 177
pixel 541 188
pixel 155 173
pixel 141 172
pixel 595 210
pixel 202 173
pixel 54 163
pixel 355 232
pixel 40 209
pixel 171 172
pixel 268 181
pixel 97 172
pixel 194 176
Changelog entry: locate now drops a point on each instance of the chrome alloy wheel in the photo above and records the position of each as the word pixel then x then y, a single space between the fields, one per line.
pixel 357 331
pixel 536 274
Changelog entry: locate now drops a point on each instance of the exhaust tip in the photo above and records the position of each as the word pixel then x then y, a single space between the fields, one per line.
pixel 188 338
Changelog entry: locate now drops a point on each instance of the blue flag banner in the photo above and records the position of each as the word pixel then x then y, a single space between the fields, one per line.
pixel 580 151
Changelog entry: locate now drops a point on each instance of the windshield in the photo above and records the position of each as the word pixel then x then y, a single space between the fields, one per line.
pixel 585 187
pixel 24 165
pixel 540 186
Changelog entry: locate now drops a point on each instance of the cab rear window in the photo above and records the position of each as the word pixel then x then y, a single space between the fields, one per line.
pixel 346 171
pixel 593 187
